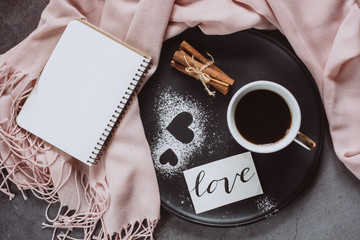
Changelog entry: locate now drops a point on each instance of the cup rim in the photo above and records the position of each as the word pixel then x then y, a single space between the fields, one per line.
pixel 290 101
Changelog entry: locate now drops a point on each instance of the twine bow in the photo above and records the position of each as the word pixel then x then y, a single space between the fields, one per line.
pixel 199 73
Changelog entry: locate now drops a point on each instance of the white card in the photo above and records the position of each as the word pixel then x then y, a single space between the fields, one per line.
pixel 223 182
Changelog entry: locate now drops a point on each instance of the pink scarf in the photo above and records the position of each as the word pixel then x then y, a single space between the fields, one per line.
pixel 121 192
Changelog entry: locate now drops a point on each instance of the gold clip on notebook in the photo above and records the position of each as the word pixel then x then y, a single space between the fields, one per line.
pixel 82 90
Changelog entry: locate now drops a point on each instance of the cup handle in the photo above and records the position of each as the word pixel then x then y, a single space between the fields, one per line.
pixel 305 141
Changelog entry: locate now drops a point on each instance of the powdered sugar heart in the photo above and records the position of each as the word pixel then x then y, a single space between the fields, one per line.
pixel 179 127
pixel 169 157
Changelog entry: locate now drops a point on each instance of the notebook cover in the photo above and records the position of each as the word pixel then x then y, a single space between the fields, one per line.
pixel 81 90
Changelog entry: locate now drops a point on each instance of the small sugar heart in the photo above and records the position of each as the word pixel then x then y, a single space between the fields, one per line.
pixel 179 127
pixel 169 157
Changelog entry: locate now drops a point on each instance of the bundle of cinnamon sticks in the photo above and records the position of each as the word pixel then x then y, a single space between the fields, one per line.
pixel 191 62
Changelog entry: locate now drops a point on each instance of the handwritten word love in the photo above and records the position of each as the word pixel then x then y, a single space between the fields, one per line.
pixel 212 186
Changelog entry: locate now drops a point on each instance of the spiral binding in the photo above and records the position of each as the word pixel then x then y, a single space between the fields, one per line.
pixel 120 111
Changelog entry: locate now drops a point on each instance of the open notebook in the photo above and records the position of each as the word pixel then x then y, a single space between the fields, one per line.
pixel 82 91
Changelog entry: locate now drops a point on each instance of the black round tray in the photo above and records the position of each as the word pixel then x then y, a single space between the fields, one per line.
pixel 245 56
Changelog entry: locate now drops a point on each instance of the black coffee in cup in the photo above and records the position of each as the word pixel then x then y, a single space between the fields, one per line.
pixel 262 117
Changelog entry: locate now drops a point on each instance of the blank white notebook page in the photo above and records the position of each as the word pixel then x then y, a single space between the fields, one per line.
pixel 79 89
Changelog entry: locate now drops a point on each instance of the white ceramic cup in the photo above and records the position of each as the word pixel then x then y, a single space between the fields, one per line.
pixel 292 134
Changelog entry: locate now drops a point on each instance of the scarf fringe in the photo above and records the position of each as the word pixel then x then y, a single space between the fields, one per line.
pixel 20 161
pixel 97 202
pixel 92 221
pixel 139 230
pixel 20 164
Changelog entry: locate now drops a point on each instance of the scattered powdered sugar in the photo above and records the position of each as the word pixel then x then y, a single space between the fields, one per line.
pixel 266 204
pixel 168 105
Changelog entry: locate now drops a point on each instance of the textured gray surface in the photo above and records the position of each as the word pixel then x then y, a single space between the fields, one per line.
pixel 327 208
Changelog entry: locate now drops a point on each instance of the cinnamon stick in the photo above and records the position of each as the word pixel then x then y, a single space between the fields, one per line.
pixel 193 52
pixel 182 69
pixel 184 58
pixel 220 86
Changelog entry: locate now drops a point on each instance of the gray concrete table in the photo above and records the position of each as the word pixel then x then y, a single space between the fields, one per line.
pixel 327 208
